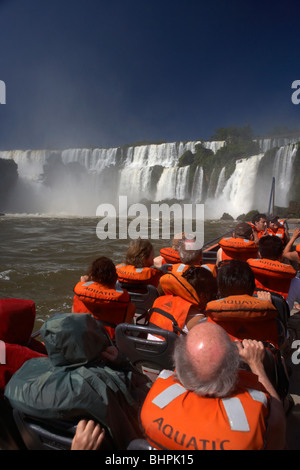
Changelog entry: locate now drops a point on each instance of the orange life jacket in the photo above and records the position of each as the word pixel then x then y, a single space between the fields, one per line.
pixel 169 311
pixel 280 233
pixel 246 317
pixel 237 248
pixel 108 305
pixel 260 233
pixel 175 419
pixel 298 249
pixel 170 255
pixel 272 275
pixel 130 274
pixel 179 268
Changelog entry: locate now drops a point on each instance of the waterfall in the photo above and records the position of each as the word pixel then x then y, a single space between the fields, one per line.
pixel 241 185
pixel 30 162
pixel 173 184
pixel 76 181
pixel 94 160
pixel 136 175
pixel 282 171
pixel 268 144
pixel 135 183
pixel 221 183
pixel 238 193
pixel 197 188
pixel 214 145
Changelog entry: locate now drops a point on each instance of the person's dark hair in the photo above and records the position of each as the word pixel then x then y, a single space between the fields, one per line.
pixel 138 252
pixel 202 280
pixel 103 270
pixel 270 247
pixel 257 217
pixel 235 277
pixel 275 220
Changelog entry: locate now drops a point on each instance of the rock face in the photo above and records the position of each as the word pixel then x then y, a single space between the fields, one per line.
pixel 8 180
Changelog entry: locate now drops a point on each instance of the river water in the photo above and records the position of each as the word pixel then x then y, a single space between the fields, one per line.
pixel 42 258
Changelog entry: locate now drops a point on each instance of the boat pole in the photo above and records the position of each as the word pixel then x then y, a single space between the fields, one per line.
pixel 272 198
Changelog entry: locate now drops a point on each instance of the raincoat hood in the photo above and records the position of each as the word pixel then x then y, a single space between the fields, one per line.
pixel 74 339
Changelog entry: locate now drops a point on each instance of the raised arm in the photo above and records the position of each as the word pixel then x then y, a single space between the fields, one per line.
pixel 252 352
pixel 287 253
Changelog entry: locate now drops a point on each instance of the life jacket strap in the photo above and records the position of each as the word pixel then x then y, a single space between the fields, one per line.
pixel 170 317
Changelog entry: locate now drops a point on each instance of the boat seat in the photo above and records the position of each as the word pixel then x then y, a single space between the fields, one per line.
pixel 280 303
pixel 283 310
pixel 149 356
pixel 44 435
pixel 142 296
pixel 275 367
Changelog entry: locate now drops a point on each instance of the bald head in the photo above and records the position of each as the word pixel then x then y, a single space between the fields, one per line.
pixel 207 345
pixel 206 360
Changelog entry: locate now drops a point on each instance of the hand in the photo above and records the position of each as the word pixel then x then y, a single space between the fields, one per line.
pixel 110 353
pixel 296 233
pixel 84 278
pixel 252 352
pixel 263 295
pixel 89 436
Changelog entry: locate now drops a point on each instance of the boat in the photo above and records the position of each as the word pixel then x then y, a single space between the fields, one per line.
pixel 19 431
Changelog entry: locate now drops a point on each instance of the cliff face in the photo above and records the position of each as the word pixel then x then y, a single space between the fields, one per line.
pixel 8 180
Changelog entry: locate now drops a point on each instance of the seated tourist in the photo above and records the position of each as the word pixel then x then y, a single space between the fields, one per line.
pixel 241 314
pixel 259 225
pixel 276 227
pixel 190 254
pixel 170 254
pixel 97 294
pixel 82 377
pixel 270 272
pixel 139 264
pixel 240 246
pixel 208 403
pixel 184 299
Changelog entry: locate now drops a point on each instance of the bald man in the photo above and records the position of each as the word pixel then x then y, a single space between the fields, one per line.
pixel 209 404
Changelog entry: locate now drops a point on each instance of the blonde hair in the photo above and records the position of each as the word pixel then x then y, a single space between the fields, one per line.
pixel 138 252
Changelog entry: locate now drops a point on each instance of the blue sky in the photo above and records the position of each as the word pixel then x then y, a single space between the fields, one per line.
pixel 96 73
